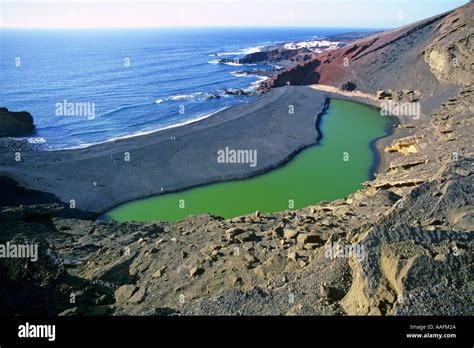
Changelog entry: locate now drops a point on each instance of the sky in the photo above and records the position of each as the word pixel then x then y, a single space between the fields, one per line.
pixel 73 14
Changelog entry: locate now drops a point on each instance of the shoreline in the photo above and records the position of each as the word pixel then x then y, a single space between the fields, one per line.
pixel 280 164
pixel 139 134
pixel 377 145
pixel 278 136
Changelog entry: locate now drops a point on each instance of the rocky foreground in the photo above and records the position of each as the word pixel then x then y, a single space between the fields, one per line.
pixel 401 246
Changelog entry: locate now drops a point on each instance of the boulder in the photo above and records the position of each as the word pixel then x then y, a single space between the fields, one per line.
pixel 289 233
pixel 348 86
pixel 382 94
pixel 304 238
pixel 232 232
pixel 123 293
pixel 15 123
pixel 293 255
pixel 195 271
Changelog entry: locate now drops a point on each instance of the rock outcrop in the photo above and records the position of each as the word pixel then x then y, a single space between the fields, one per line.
pixel 273 55
pixel 15 123
pixel 450 54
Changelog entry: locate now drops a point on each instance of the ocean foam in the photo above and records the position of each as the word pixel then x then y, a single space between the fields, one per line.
pixel 260 79
pixel 216 61
pixel 313 45
pixel 192 120
pixel 35 140
pixel 238 74
pixel 232 64
pixel 219 54
pixel 252 49
pixel 178 97
pixel 181 97
pixel 242 51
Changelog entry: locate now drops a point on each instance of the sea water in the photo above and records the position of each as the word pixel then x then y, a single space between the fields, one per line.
pixel 134 80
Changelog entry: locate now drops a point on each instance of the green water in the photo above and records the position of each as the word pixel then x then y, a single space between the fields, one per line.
pixel 321 172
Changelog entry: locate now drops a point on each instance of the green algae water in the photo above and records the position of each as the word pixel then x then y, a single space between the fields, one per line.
pixel 336 167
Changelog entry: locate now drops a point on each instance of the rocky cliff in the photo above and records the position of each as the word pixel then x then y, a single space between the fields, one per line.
pixel 15 123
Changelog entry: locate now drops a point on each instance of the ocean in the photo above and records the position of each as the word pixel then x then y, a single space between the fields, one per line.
pixel 135 81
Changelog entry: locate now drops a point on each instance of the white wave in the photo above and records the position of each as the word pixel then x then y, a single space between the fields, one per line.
pixel 238 73
pixel 260 80
pixel 252 49
pixel 35 140
pixel 232 64
pixel 242 51
pixel 276 66
pixel 178 97
pixel 219 54
pixel 216 61
pixel 74 147
pixel 181 97
pixel 192 120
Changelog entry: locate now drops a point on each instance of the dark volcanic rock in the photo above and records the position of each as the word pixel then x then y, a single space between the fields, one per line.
pixel 15 123
pixel 272 55
pixel 305 74
pixel 259 72
pixel 348 86
pixel 278 54
pixel 255 57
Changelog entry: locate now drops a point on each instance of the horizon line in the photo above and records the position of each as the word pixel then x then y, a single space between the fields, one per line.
pixel 202 27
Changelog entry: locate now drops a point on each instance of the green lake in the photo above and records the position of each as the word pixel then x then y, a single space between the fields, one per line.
pixel 336 167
